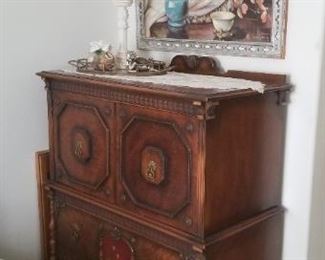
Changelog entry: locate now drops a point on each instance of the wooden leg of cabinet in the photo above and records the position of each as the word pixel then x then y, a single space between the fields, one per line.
pixel 42 175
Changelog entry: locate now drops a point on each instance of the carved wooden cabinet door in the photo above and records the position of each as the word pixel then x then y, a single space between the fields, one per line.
pixel 157 173
pixel 83 144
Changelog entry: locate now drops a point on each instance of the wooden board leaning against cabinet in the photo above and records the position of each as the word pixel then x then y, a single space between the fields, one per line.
pixel 142 171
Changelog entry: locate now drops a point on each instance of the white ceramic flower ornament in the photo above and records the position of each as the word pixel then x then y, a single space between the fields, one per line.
pixel 99 46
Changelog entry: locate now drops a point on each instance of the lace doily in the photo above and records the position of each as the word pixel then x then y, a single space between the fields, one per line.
pixel 190 80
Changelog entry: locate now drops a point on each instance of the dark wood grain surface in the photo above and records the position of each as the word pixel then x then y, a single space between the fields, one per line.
pixel 162 172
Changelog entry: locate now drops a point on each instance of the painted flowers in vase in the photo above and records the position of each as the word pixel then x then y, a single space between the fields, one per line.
pixel 257 7
pixel 102 58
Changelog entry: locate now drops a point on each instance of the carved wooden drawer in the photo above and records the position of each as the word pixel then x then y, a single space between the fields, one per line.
pixel 83 236
pixel 157 172
pixel 83 137
pixel 82 231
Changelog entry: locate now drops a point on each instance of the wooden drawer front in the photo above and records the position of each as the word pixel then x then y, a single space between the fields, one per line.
pixel 156 165
pixel 81 236
pixel 82 139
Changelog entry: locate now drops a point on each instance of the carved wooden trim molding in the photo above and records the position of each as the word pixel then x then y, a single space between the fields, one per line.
pixel 52 239
pixel 132 98
pixel 47 82
pixel 170 242
pixel 283 98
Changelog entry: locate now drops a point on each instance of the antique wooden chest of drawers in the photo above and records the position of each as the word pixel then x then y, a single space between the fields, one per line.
pixel 142 171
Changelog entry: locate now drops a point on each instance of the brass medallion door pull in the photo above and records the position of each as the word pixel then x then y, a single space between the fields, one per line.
pixel 81 144
pixel 78 149
pixel 151 171
pixel 153 165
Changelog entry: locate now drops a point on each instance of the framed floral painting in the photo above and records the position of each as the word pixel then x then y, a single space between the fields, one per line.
pixel 225 27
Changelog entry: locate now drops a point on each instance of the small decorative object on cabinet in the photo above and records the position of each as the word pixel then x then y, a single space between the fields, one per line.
pixel 143 171
pixel 142 66
pixel 103 59
pixel 122 15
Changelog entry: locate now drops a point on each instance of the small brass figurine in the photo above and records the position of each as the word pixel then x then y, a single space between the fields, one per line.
pixel 140 64
pixel 103 59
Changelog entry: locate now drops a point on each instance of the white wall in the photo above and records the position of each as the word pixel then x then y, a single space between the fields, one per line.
pixel 1 120
pixel 44 34
pixel 37 35
pixel 317 220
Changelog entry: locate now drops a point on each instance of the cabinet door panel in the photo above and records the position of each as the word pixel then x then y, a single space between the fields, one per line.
pixel 82 141
pixel 157 171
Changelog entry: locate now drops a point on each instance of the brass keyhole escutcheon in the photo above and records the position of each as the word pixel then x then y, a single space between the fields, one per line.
pixel 153 165
pixel 151 170
pixel 81 145
pixel 75 232
pixel 78 148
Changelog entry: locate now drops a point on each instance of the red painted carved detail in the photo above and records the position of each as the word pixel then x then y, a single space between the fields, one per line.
pixel 112 248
